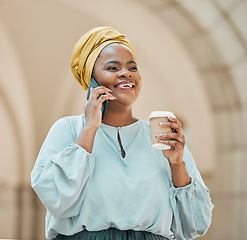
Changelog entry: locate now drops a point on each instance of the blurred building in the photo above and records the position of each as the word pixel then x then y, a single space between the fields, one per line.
pixel 193 60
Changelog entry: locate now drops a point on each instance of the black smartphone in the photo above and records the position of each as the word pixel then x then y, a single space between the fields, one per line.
pixel 94 84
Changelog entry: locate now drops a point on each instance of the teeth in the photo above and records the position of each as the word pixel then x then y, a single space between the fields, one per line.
pixel 125 85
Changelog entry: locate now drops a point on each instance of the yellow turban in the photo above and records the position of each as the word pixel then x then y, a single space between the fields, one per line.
pixel 88 48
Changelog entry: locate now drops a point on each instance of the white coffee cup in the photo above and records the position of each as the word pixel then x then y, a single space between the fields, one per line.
pixel 155 119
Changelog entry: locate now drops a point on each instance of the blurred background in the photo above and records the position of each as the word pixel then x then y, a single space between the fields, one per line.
pixel 193 59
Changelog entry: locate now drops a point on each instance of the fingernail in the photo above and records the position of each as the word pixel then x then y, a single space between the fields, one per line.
pixel 160 135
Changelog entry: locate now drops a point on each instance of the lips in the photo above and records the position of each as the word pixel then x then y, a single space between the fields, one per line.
pixel 126 85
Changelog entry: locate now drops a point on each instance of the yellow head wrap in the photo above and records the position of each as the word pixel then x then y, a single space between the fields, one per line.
pixel 88 48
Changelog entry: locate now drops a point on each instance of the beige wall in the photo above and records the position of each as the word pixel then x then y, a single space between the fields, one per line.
pixel 192 56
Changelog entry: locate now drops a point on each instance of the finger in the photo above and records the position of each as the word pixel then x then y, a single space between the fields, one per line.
pixel 171 136
pixel 105 97
pixel 174 125
pixel 177 145
pixel 174 120
pixel 95 92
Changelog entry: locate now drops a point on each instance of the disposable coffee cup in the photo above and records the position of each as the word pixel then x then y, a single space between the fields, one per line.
pixel 155 119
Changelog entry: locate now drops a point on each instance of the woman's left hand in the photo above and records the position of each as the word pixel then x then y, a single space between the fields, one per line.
pixel 175 139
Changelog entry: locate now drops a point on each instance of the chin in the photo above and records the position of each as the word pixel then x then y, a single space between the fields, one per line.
pixel 120 103
pixel 126 100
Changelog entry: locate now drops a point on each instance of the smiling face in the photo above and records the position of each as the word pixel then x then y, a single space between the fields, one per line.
pixel 116 69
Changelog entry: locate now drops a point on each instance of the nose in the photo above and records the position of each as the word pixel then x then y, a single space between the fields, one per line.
pixel 125 74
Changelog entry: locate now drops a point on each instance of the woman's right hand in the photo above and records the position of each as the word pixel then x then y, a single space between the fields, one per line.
pixel 92 108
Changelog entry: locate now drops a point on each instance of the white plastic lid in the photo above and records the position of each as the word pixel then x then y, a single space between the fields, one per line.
pixel 161 114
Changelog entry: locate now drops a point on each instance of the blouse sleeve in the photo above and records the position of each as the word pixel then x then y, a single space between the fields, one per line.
pixel 62 171
pixel 191 205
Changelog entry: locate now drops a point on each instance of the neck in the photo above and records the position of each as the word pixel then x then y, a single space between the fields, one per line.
pixel 119 119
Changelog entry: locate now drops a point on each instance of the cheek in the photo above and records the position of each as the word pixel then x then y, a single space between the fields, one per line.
pixel 138 88
pixel 139 80
pixel 138 91
pixel 104 79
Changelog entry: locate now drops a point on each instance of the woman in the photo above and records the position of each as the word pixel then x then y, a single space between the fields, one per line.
pixel 101 179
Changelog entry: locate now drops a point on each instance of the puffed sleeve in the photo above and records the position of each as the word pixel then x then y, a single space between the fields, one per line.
pixel 191 205
pixel 62 172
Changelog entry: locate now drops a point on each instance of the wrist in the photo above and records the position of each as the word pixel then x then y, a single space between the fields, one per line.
pixel 86 138
pixel 90 127
pixel 180 176
pixel 177 163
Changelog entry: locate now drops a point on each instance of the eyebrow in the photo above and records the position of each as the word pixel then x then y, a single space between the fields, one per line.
pixel 118 63
pixel 113 62
pixel 132 61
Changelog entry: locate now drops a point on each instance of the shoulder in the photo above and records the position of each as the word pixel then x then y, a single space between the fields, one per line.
pixel 68 124
pixel 69 120
pixel 145 124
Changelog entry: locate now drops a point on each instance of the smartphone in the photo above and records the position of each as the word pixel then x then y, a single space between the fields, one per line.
pixel 94 84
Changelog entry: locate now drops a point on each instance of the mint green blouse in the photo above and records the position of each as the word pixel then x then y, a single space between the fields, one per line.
pixel 102 189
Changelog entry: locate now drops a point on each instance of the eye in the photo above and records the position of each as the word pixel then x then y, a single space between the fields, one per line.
pixel 133 68
pixel 112 68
